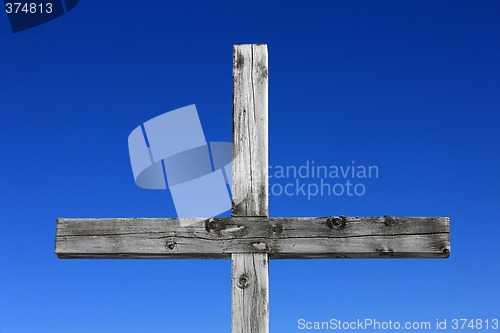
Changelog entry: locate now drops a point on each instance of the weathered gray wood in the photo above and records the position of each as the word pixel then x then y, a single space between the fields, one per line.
pixel 250 237
pixel 250 304
pixel 250 293
pixel 250 131
pixel 324 237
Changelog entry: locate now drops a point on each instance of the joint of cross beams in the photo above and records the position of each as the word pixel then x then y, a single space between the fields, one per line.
pixel 260 246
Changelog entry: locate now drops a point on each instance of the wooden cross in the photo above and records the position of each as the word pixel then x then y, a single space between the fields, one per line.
pixel 250 237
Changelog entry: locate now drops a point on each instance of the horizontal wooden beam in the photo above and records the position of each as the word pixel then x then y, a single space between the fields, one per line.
pixel 324 237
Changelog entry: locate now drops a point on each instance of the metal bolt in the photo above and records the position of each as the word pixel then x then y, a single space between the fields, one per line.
pixel 171 245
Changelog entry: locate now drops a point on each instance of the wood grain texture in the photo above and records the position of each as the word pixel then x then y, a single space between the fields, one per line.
pixel 250 131
pixel 250 238
pixel 323 237
pixel 250 293
pixel 250 300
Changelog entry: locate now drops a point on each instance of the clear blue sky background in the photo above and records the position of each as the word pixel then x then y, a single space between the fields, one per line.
pixel 412 87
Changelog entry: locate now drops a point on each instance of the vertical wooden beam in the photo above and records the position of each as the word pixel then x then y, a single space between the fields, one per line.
pixel 250 151
pixel 250 293
pixel 250 282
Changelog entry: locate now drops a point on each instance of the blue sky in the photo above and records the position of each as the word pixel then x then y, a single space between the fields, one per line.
pixel 410 87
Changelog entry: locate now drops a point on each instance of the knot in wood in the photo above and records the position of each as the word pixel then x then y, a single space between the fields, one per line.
pixel 336 222
pixel 213 225
pixel 389 221
pixel 277 229
pixel 171 245
pixel 243 282
pixel 384 251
